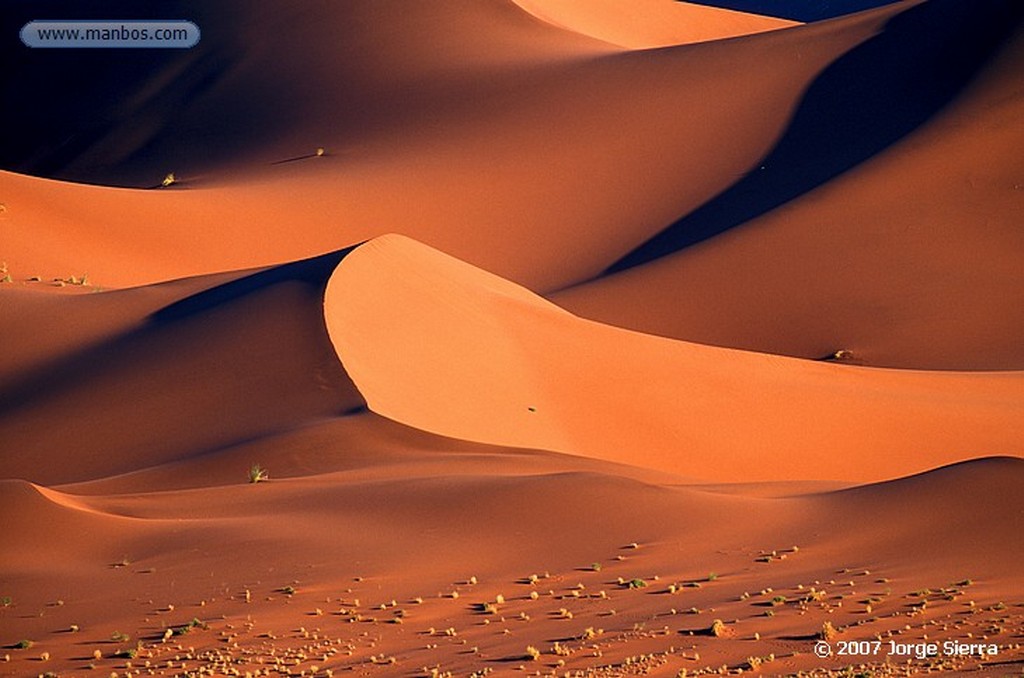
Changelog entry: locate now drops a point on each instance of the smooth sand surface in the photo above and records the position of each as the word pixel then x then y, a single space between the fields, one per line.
pixel 650 23
pixel 502 421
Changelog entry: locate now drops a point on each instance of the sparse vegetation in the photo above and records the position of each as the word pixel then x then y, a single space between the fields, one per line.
pixel 532 653
pixel 636 583
pixel 258 474
pixel 815 596
pixel 187 628
pixel 755 662
pixel 169 180
pixel 828 631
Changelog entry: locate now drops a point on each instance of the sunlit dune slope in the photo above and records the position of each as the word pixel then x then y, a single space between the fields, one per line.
pixel 544 163
pixel 406 373
pixel 910 259
pixel 439 345
pixel 640 24
pixel 434 343
pixel 506 437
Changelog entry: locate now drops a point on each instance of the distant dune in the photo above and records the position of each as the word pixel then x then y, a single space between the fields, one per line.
pixel 650 23
pixel 458 338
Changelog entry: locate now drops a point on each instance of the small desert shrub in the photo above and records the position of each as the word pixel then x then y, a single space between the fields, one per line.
pixel 717 629
pixel 532 653
pixel 815 596
pixel 828 631
pixel 258 474
pixel 636 583
pixel 187 628
pixel 754 663
pixel 24 644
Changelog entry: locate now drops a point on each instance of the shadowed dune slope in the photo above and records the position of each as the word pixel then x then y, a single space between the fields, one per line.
pixel 796 10
pixel 263 77
pixel 246 357
pixel 868 99
pixel 910 259
pixel 464 476
pixel 501 365
pixel 972 504
pixel 139 517
pixel 442 346
pixel 508 158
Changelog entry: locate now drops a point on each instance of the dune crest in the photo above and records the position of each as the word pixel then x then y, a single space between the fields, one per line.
pixel 437 339
pixel 440 345
pixel 644 24
pixel 505 158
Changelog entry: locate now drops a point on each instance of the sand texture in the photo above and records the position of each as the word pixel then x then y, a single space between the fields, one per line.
pixel 533 337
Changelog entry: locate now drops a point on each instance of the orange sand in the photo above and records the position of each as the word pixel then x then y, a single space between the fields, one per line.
pixel 485 455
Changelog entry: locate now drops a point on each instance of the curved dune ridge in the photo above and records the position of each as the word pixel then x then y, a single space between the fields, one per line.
pixel 445 347
pixel 650 23
pixel 481 336
pixel 175 390
pixel 491 155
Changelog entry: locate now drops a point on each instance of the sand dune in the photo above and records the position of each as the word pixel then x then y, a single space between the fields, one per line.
pixel 188 377
pixel 520 360
pixel 503 366
pixel 888 252
pixel 136 567
pixel 507 172
pixel 651 23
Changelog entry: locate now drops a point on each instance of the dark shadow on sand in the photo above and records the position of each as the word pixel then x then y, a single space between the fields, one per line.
pixel 867 100
pixel 314 271
pixel 796 10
